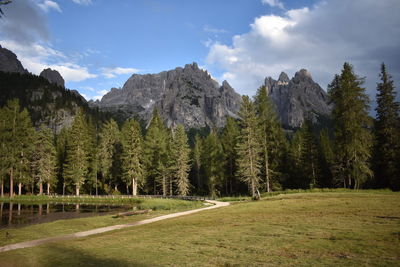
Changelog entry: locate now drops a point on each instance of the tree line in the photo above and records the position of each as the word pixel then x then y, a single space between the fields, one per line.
pixel 249 155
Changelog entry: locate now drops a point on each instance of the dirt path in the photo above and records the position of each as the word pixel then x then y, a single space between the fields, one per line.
pixel 38 242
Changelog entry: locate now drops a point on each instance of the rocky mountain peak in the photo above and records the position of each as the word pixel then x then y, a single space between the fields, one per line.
pixel 297 99
pixel 53 76
pixel 9 62
pixel 283 77
pixel 187 96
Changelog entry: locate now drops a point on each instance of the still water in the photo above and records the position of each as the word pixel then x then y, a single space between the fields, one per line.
pixel 18 215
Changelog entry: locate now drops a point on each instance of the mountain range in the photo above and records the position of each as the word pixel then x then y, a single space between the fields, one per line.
pixel 188 96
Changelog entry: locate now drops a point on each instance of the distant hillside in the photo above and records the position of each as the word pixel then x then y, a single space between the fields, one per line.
pixel 47 103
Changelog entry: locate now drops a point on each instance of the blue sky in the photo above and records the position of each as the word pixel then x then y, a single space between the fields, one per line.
pixel 98 44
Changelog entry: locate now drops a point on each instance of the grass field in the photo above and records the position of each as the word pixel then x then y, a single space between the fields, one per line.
pixel 303 229
pixel 61 227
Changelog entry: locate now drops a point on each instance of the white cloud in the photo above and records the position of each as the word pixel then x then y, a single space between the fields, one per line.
pixel 320 38
pixel 47 5
pixel 113 72
pixel 273 3
pixel 83 2
pixel 37 57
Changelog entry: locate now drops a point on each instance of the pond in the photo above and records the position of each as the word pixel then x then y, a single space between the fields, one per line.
pixel 22 214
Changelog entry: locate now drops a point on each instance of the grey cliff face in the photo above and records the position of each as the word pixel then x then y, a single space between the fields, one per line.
pixel 9 62
pixel 187 96
pixel 53 76
pixel 297 99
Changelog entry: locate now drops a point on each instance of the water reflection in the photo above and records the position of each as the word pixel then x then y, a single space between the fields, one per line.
pixel 20 214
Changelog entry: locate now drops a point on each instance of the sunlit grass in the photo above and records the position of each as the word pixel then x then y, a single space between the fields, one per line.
pixel 302 229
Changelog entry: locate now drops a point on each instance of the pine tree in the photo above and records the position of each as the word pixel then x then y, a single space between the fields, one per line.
pixel 109 139
pixel 76 165
pixel 271 138
pixel 387 138
pixel 352 136
pixel 309 157
pixel 213 162
pixel 44 159
pixel 326 159
pixel 248 148
pixel 180 166
pixel 132 154
pixel 229 141
pixel 17 142
pixel 156 156
pixel 197 163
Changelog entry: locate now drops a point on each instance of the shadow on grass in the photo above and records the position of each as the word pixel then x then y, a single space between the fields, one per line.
pixel 58 255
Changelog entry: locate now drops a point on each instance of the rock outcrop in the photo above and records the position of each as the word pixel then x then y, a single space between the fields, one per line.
pixel 53 76
pixel 298 99
pixel 187 96
pixel 9 62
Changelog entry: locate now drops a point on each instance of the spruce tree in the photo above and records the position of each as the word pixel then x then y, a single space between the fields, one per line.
pixel 351 122
pixel 271 138
pixel 197 163
pixel 131 137
pixel 248 148
pixel 109 139
pixel 387 138
pixel 229 141
pixel 213 162
pixel 156 156
pixel 17 142
pixel 326 159
pixel 180 166
pixel 44 159
pixel 76 165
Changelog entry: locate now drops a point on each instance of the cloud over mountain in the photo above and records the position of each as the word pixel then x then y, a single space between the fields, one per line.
pixel 320 38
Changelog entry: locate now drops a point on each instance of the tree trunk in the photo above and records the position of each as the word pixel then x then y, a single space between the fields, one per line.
pixel 41 188
pixel 127 189
pixel 267 170
pixel 164 186
pixel 77 191
pixel 96 186
pixel 2 188
pixel 19 189
pixel 63 188
pixel 11 183
pixel 134 187
pixel 48 188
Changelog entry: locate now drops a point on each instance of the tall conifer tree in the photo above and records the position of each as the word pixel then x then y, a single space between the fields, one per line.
pixel 44 159
pixel 109 139
pixel 387 138
pixel 180 166
pixel 271 138
pixel 132 154
pixel 76 165
pixel 156 156
pixel 248 148
pixel 351 120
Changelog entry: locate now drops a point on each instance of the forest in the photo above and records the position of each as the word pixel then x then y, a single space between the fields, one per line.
pixel 249 156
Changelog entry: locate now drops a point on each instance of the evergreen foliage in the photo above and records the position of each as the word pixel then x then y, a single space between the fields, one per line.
pixel 248 148
pixel 352 129
pixel 131 138
pixel 387 134
pixel 180 166
pixel 76 164
pixel 44 159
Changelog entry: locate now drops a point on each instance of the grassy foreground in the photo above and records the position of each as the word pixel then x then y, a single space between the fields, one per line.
pixel 61 227
pixel 343 229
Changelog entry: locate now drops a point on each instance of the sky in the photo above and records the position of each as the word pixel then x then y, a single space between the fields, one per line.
pixel 99 44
